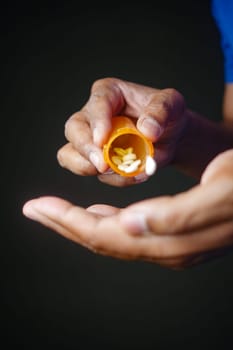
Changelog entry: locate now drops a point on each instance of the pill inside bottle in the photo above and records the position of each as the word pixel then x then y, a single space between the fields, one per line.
pixel 127 150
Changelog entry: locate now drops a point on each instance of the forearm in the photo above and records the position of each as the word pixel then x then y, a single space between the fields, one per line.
pixel 228 104
pixel 201 141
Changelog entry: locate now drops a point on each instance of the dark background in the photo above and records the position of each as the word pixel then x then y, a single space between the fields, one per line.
pixel 56 294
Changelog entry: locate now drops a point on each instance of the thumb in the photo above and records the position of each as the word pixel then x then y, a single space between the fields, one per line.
pixel 164 106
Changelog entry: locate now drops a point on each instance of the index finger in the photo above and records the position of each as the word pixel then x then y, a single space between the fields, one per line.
pixel 105 101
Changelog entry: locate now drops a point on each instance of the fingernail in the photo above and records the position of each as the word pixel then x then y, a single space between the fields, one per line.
pixel 151 125
pixel 95 159
pixel 109 172
pixel 30 212
pixel 99 135
pixel 134 222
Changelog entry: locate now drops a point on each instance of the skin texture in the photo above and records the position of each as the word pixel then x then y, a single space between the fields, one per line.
pixel 228 105
pixel 173 231
pixel 159 114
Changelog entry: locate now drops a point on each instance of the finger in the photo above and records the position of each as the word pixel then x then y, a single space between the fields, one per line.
pixel 188 261
pixel 72 160
pixel 61 216
pixel 165 105
pixel 75 223
pixel 105 101
pixel 102 235
pixel 46 210
pixel 183 213
pixel 121 181
pixel 103 209
pixel 79 134
pixel 111 96
pixel 221 165
pixel 106 236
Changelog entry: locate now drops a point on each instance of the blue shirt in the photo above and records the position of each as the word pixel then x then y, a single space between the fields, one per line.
pixel 222 11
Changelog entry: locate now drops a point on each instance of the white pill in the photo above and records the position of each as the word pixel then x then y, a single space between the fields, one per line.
pixel 151 166
pixel 130 156
pixel 116 160
pixel 133 167
pixel 122 167
pixel 128 162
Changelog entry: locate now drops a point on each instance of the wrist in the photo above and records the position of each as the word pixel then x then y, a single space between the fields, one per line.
pixel 191 156
pixel 200 142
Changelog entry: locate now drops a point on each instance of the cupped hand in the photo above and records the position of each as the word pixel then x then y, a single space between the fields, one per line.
pixel 174 231
pixel 159 115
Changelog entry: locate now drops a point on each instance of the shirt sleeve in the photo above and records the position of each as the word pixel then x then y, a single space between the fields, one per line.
pixel 222 11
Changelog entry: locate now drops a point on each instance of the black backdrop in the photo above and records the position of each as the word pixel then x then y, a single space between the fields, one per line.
pixel 56 294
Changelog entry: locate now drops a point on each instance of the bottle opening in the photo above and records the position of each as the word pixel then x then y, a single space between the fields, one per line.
pixel 139 148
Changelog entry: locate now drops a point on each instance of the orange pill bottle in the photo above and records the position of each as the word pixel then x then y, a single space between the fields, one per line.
pixel 125 135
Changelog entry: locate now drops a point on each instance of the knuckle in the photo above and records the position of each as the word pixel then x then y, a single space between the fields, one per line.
pixel 169 222
pixel 173 93
pixel 100 84
pixel 173 223
pixel 86 170
pixel 60 157
pixel 176 97
pixel 165 106
pixel 160 104
pixel 69 125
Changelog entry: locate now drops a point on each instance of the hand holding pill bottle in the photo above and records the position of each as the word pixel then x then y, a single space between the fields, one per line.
pixel 128 152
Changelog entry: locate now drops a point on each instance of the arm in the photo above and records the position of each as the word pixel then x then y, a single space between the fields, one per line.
pixel 173 231
pixel 201 141
pixel 181 137
pixel 228 105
